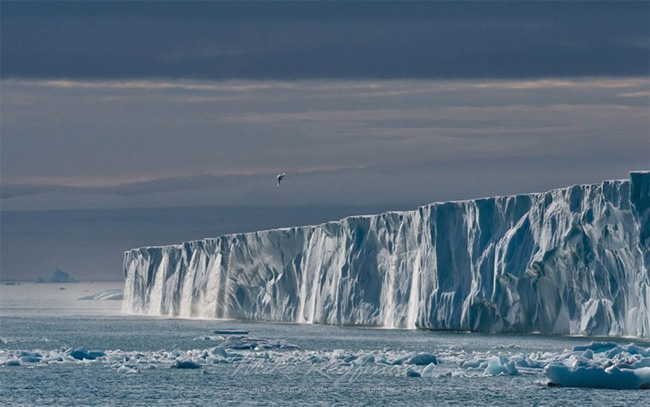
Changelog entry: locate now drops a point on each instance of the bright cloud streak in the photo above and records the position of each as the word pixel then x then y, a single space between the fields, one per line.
pixel 387 86
pixel 218 142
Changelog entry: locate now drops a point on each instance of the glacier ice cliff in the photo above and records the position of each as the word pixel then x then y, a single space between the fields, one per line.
pixel 569 261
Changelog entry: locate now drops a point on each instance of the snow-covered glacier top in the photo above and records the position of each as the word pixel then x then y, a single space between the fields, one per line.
pixel 569 261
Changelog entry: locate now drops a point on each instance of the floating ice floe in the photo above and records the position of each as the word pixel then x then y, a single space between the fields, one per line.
pixel 110 294
pixel 231 331
pixel 422 359
pixel 82 353
pixel 246 342
pixel 413 373
pixel 501 365
pixel 429 370
pixel 209 338
pixel 185 364
pixel 600 365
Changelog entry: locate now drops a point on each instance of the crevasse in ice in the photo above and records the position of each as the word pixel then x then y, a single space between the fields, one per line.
pixel 568 261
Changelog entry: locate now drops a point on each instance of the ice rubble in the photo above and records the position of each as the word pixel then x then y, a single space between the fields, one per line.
pixel 568 261
pixel 601 365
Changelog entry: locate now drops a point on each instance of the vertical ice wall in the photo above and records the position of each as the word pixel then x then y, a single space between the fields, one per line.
pixel 573 260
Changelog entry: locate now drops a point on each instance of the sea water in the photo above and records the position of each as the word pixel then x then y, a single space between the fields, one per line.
pixel 133 360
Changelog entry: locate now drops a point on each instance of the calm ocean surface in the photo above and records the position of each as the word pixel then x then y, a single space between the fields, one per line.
pixel 286 365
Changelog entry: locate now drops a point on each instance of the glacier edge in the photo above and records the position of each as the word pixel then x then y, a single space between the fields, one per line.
pixel 568 261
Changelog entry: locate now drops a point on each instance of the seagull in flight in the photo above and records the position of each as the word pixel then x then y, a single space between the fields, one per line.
pixel 281 177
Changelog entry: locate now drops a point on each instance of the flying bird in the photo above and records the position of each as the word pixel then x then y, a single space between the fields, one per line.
pixel 280 177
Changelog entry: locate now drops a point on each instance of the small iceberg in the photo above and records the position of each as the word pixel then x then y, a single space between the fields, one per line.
pixel 185 364
pixel 209 338
pixel 597 376
pixel 105 295
pixel 57 276
pixel 30 357
pixel 602 365
pixel 82 353
pixel 412 373
pixel 429 370
pixel 228 331
pixel 422 359
pixel 500 366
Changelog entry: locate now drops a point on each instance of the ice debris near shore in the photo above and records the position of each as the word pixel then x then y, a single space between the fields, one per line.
pixel 569 261
pixel 600 365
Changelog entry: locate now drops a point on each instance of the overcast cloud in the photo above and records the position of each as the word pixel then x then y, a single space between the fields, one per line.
pixel 154 143
pixel 316 40
pixel 118 104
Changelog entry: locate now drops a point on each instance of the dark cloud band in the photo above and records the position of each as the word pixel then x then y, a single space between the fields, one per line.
pixel 235 40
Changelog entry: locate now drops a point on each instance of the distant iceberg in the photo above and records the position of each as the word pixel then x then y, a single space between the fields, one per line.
pixel 110 294
pixel 57 276
pixel 574 260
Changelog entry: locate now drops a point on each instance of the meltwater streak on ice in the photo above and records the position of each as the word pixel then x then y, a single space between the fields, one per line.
pixel 570 261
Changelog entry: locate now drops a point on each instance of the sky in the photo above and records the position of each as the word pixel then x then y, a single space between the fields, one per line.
pixel 365 105
pixel 149 104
